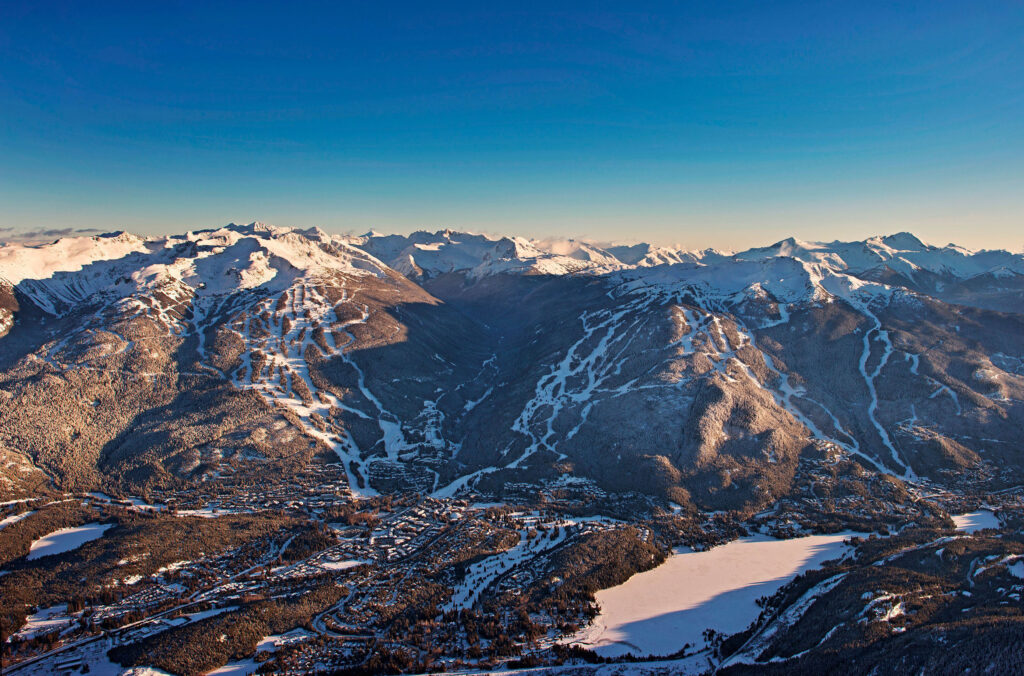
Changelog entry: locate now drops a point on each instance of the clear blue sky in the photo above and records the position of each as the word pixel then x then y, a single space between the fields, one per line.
pixel 714 123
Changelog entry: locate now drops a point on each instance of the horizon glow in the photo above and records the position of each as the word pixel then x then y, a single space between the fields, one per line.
pixel 697 125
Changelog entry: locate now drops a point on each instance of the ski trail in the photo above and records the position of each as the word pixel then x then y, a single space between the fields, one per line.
pixel 281 339
pixel 722 354
pixel 869 379
pixel 283 334
pixel 481 575
pixel 942 388
pixel 576 377
pixel 784 398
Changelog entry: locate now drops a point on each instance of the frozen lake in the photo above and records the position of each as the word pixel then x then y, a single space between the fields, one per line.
pixel 657 612
pixel 66 539
pixel 975 521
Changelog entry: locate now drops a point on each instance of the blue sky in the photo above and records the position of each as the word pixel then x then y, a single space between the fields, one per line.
pixel 723 124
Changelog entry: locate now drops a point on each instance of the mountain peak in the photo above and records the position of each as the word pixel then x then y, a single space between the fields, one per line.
pixel 902 241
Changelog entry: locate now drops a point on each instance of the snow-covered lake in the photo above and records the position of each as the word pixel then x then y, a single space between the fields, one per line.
pixel 975 521
pixel 66 539
pixel 657 612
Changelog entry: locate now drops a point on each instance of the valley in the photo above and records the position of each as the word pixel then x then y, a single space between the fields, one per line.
pixel 262 449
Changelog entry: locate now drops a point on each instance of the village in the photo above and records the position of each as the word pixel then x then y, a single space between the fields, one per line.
pixel 397 582
pixel 398 563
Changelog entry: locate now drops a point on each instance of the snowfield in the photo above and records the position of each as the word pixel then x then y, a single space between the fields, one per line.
pixel 15 518
pixel 975 521
pixel 66 540
pixel 661 610
pixel 44 621
pixel 341 565
pixel 266 644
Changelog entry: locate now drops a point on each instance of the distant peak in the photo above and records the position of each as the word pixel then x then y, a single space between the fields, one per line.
pixel 316 233
pixel 119 236
pixel 792 244
pixel 255 227
pixel 903 241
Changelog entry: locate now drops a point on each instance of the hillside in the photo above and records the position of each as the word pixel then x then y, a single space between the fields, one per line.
pixel 337 450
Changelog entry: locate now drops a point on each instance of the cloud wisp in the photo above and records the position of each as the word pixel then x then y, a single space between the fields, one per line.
pixel 12 235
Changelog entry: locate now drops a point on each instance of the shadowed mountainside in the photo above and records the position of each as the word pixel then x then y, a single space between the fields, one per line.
pixel 696 377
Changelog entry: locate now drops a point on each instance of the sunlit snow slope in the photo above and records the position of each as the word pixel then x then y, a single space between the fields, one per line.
pixel 444 361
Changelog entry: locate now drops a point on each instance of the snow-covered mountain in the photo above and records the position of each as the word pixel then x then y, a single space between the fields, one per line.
pixel 57 276
pixel 902 253
pixel 441 361
pixel 256 253
pixel 432 254
pixel 445 251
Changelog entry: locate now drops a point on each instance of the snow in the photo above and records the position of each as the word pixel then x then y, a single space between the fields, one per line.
pixel 91 653
pixel 884 607
pixel 658 611
pixel 869 380
pixel 45 621
pixel 783 279
pixel 285 367
pixel 212 612
pixel 902 252
pixel 218 261
pixel 41 261
pixel 266 644
pixel 135 504
pixel 760 640
pixel 197 264
pixel 942 388
pixel 479 255
pixel 972 522
pixel 340 565
pixel 698 323
pixel 647 255
pixel 483 573
pixel 486 505
pixel 586 367
pixel 470 405
pixel 206 512
pixel 177 565
pixel 66 540
pixel 14 518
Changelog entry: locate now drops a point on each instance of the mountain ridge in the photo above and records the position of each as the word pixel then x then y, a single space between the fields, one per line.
pixel 479 254
pixel 471 362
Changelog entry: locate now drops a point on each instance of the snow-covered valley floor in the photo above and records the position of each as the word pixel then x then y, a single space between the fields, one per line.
pixel 659 611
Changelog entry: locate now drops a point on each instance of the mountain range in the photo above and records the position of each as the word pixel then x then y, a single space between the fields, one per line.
pixel 446 361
